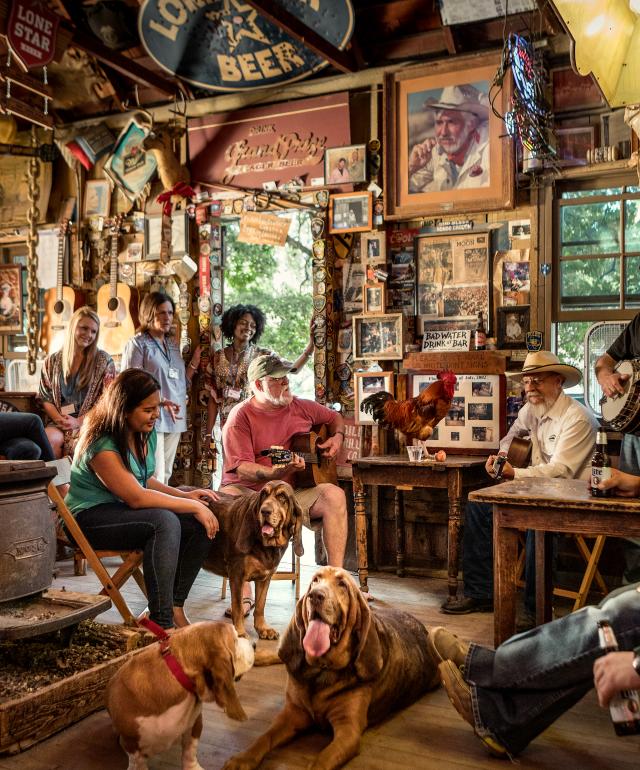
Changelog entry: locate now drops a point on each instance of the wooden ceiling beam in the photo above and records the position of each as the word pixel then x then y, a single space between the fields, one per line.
pixel 412 46
pixel 341 60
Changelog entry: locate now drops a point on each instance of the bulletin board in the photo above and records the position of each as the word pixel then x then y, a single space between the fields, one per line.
pixel 477 418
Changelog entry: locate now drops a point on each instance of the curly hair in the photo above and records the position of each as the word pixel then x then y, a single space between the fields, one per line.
pixel 232 315
pixel 109 416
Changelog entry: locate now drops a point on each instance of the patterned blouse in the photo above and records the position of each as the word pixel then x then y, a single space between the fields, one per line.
pixel 228 381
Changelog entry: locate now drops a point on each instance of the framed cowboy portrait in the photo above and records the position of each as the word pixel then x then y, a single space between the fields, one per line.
pixel 447 150
pixel 10 299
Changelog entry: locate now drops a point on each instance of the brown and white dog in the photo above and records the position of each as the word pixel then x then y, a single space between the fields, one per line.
pixel 349 666
pixel 255 530
pixel 151 710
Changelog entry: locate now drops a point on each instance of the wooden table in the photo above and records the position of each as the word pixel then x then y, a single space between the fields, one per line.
pixel 545 505
pixel 457 474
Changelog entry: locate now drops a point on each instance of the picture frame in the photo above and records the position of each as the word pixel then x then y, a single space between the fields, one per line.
pixel 378 337
pixel 97 198
pixel 179 235
pixel 513 325
pixel 345 165
pixel 614 132
pixel 373 298
pixel 373 250
pixel 573 92
pixel 365 384
pixel 573 145
pixel 350 212
pixel 452 280
pixel 11 308
pixel 417 180
pixel 477 417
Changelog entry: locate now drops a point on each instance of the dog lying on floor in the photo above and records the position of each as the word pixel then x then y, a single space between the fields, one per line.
pixel 255 530
pixel 151 710
pixel 349 666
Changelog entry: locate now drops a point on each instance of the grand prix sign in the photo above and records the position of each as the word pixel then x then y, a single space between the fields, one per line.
pixel 31 32
pixel 225 45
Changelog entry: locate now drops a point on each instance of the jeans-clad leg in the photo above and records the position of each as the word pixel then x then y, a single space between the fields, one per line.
pixel 630 463
pixel 522 687
pixel 23 437
pixel 159 533
pixel 477 551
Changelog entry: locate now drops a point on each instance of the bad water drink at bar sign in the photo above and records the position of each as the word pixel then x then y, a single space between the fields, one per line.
pixel 446 340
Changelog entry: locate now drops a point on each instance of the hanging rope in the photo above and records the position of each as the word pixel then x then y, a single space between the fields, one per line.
pixel 33 216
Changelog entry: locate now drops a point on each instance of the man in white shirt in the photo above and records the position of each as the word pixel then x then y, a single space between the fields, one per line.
pixel 562 434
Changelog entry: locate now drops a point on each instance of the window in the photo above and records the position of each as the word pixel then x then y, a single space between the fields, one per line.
pixel 596 259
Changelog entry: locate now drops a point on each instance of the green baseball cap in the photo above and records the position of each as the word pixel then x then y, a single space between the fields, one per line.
pixel 267 365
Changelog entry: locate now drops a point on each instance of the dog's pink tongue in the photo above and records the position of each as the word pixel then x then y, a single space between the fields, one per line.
pixel 267 529
pixel 316 641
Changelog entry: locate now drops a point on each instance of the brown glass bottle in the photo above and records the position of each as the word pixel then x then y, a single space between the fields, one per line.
pixel 480 335
pixel 624 707
pixel 600 466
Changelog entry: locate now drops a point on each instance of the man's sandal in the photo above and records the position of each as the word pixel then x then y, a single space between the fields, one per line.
pixel 247 604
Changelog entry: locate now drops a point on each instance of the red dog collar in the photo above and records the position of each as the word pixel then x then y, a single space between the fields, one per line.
pixel 165 650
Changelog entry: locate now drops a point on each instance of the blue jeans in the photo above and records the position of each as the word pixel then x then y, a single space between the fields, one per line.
pixel 174 546
pixel 519 689
pixel 630 463
pixel 22 437
pixel 477 556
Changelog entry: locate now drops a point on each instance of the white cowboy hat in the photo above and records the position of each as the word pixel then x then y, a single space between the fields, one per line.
pixel 465 98
pixel 544 361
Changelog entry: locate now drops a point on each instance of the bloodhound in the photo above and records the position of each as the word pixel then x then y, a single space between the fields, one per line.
pixel 151 710
pixel 348 667
pixel 255 530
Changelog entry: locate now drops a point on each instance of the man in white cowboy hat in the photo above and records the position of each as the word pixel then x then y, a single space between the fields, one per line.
pixel 457 156
pixel 562 433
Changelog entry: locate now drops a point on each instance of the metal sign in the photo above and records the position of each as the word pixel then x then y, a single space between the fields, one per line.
pixel 225 45
pixel 31 32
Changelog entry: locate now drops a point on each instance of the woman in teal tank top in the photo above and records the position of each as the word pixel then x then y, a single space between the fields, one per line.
pixel 120 505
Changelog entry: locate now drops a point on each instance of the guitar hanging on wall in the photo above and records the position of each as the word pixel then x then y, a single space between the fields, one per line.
pixel 59 302
pixel 117 304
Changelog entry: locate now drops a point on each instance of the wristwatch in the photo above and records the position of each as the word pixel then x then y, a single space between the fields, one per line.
pixel 636 662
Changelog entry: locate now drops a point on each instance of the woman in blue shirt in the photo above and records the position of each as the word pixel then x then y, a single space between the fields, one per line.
pixel 120 505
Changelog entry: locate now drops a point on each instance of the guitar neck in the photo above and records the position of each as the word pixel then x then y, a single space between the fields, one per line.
pixel 113 267
pixel 62 238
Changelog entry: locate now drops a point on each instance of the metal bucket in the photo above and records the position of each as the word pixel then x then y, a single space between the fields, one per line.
pixel 27 529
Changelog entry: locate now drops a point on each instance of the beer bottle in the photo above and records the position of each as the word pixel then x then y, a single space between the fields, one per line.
pixel 625 706
pixel 600 466
pixel 480 337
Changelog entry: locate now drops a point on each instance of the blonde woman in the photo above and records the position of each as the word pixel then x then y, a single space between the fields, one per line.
pixel 72 380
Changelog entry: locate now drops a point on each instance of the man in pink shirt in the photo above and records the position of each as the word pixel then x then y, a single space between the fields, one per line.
pixel 271 417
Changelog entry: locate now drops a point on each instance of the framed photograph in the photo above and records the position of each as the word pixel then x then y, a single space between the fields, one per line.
pixel 513 325
pixel 350 212
pixel 179 235
pixel 446 150
pixel 574 92
pixel 452 280
pixel 365 384
pixel 378 337
pixel 373 298
pixel 97 198
pixel 344 165
pixel 10 299
pixel 372 248
pixel 476 420
pixel 573 144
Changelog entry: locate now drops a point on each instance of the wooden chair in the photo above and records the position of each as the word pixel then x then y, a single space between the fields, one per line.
pixel 293 575
pixel 590 554
pixel 131 560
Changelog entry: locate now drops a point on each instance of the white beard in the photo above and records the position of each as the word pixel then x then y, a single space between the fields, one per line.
pixel 284 400
pixel 539 410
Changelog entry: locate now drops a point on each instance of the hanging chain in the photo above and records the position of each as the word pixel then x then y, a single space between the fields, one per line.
pixel 33 216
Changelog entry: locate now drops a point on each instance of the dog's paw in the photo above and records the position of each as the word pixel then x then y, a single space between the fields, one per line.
pixel 239 762
pixel 265 632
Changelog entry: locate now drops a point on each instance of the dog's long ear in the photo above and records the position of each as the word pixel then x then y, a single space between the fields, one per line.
pixel 246 510
pixel 219 679
pixel 290 650
pixel 296 534
pixel 368 655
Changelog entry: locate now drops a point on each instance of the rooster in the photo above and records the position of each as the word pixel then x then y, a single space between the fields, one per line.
pixel 415 417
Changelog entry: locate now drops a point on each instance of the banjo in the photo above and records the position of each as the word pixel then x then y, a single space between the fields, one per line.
pixel 622 411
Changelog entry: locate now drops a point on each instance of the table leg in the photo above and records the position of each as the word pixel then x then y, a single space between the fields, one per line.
pixel 544 578
pixel 361 530
pixel 454 524
pixel 505 553
pixel 398 507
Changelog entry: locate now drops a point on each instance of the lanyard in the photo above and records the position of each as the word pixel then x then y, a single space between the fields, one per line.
pixel 166 353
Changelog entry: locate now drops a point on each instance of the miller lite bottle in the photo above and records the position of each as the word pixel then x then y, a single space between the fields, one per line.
pixel 600 466
pixel 625 706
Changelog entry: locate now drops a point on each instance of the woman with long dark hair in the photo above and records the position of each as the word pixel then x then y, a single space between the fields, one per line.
pixel 119 504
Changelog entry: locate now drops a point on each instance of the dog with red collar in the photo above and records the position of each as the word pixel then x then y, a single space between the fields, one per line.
pixel 156 698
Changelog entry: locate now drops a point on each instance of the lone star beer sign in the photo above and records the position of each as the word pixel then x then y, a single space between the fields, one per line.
pixel 225 45
pixel 31 32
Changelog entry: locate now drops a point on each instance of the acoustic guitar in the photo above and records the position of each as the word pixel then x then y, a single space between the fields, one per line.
pixel 318 468
pixel 519 453
pixel 59 302
pixel 117 304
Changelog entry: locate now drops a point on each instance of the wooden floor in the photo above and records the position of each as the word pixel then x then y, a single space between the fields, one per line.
pixel 428 735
